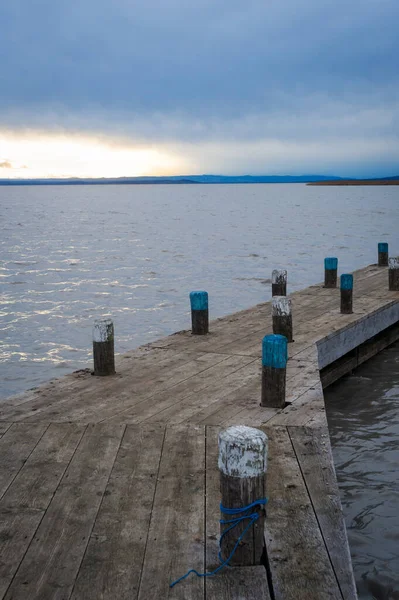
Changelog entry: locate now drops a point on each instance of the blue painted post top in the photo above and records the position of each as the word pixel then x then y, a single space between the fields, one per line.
pixel 274 351
pixel 382 247
pixel 346 282
pixel 331 263
pixel 199 300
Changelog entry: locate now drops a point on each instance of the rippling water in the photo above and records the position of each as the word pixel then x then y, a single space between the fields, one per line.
pixel 72 254
pixel 363 418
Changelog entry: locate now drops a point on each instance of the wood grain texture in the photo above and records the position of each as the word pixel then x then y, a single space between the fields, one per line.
pixel 238 583
pixel 15 447
pixel 177 528
pixel 24 504
pixel 50 565
pixel 298 559
pixel 313 451
pixel 112 564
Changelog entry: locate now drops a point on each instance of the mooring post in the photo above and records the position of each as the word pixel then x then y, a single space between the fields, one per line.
pixel 243 464
pixel 330 272
pixel 103 347
pixel 279 282
pixel 282 317
pixel 199 312
pixel 382 254
pixel 393 270
pixel 274 365
pixel 346 294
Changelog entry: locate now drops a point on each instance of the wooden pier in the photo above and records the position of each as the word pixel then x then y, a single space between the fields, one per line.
pixel 109 486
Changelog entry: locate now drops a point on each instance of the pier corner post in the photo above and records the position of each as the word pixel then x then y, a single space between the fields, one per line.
pixel 282 317
pixel 199 313
pixel 330 272
pixel 393 271
pixel 242 465
pixel 279 282
pixel 382 254
pixel 346 286
pixel 103 347
pixel 274 365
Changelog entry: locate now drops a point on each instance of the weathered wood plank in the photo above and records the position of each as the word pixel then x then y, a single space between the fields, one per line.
pixel 209 400
pixel 299 563
pixel 4 427
pixel 15 447
pixel 302 409
pixel 50 565
pixel 176 535
pixel 238 583
pixel 102 404
pixel 23 505
pixel 167 404
pixel 138 367
pixel 111 568
pixel 313 451
pixel 162 381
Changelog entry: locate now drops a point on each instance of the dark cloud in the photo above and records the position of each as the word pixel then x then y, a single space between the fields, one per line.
pixel 211 70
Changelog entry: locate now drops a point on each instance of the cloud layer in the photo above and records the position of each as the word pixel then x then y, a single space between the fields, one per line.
pixel 292 84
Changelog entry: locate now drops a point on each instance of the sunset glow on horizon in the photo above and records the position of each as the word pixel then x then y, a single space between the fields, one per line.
pixel 54 155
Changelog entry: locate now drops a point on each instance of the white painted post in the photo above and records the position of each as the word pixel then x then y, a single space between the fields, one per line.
pixel 282 317
pixel 393 270
pixel 103 347
pixel 279 282
pixel 242 465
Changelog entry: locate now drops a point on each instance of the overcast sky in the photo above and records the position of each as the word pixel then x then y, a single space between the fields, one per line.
pixel 125 87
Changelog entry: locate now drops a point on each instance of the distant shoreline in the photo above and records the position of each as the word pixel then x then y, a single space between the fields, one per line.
pixel 356 182
pixel 202 179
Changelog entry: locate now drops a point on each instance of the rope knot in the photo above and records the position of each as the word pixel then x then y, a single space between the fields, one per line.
pixel 253 517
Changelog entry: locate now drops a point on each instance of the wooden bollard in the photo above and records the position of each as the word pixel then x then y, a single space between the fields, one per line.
pixel 282 317
pixel 103 347
pixel 279 282
pixel 346 294
pixel 274 364
pixel 330 272
pixel 199 313
pixel 243 464
pixel 382 254
pixel 393 270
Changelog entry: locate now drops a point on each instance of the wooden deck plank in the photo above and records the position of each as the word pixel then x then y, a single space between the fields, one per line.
pixel 50 565
pixel 117 392
pixel 313 451
pixel 4 427
pixel 238 583
pixel 239 396
pixel 15 447
pixel 231 390
pixel 163 406
pixel 176 535
pixel 111 568
pixel 299 563
pixel 23 505
pixel 80 387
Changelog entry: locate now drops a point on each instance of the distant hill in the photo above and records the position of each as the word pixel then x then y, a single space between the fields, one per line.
pixel 380 181
pixel 176 179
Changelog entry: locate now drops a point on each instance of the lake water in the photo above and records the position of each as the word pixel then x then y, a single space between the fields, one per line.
pixel 73 254
pixel 363 418
pixel 70 254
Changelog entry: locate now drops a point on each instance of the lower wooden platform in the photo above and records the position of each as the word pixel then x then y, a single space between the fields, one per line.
pixel 109 487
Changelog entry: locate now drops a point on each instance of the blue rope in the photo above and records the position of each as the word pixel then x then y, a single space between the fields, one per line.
pixel 232 522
